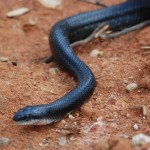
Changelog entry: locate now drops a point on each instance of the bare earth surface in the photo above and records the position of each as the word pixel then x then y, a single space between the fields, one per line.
pixel 108 120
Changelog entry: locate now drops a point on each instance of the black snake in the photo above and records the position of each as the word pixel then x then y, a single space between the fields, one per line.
pixel 70 30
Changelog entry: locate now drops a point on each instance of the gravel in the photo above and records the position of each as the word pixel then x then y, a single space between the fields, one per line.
pixel 4 141
pixel 53 71
pixel 62 141
pixel 51 3
pixel 131 87
pixel 4 59
pixel 17 12
pixel 96 53
pixel 140 139
pixel 136 127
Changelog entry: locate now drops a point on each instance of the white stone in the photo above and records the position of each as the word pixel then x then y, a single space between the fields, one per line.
pixel 3 59
pixel 17 12
pixel 131 87
pixel 71 117
pixel 51 3
pixel 53 71
pixel 96 53
pixel 140 139
pixel 62 141
pixel 136 127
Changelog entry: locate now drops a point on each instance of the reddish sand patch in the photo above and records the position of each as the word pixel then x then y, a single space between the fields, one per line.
pixel 30 82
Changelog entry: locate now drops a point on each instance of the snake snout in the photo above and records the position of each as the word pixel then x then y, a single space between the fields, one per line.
pixel 25 114
pixel 31 115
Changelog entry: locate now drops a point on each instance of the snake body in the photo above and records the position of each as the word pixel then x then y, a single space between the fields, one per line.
pixel 70 30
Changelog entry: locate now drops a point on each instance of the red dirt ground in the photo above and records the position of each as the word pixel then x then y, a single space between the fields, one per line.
pixel 30 82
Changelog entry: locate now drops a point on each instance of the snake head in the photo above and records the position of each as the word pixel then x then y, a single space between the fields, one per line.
pixel 33 115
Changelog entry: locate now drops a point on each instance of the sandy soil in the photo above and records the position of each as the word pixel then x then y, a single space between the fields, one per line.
pixel 108 120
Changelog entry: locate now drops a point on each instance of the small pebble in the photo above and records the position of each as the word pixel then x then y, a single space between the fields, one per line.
pixel 17 12
pixel 144 118
pixel 99 119
pixel 14 63
pixel 63 121
pixel 3 59
pixel 125 82
pixel 59 85
pixel 140 139
pixel 131 87
pixel 62 141
pixel 136 127
pixel 4 141
pixel 96 53
pixel 71 117
pixel 51 3
pixel 53 71
pixel 40 144
pixel 128 115
pixel 72 138
pixel 31 22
